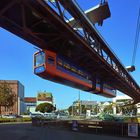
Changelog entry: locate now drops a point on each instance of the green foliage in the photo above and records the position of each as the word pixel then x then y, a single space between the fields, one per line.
pixel 7 96
pixel 74 110
pixel 70 110
pixel 96 109
pixel 106 117
pixel 83 109
pixel 127 108
pixel 45 107
pixel 108 109
pixel 4 120
pixel 26 119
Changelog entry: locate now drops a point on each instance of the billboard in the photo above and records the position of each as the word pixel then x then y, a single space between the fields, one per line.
pixel 44 96
pixel 133 129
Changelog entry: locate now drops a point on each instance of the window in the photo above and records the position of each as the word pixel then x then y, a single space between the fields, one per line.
pixel 80 73
pixel 39 59
pixel 73 69
pixel 50 60
pixel 66 66
pixel 59 62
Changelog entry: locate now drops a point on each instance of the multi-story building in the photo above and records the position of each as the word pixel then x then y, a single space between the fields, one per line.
pixel 120 100
pixel 18 90
pixel 79 104
pixel 87 104
pixel 32 102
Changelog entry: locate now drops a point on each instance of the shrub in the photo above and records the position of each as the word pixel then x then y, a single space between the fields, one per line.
pixel 4 120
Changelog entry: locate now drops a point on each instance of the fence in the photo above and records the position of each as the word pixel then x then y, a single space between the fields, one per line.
pixel 95 127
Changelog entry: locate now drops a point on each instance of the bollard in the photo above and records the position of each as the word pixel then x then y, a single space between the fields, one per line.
pixel 74 125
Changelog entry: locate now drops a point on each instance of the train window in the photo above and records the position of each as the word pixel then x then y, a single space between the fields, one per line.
pixel 50 60
pixel 39 59
pixel 73 69
pixel 59 62
pixel 66 66
pixel 80 73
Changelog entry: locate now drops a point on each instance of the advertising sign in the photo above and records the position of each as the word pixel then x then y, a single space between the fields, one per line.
pixel 133 129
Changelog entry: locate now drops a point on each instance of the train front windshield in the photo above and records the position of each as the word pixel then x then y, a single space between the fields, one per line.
pixel 39 63
pixel 39 59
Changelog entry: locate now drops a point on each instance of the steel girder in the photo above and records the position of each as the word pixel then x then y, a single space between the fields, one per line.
pixel 46 27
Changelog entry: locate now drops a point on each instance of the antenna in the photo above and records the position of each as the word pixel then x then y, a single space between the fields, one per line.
pixel 132 67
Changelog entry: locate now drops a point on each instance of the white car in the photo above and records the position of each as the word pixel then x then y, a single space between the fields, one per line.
pixel 33 115
pixel 50 115
pixel 8 116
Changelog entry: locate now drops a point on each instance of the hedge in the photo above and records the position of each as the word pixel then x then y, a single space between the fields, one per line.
pixel 4 120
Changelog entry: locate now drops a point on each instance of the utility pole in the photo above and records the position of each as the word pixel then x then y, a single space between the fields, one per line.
pixel 72 110
pixel 91 106
pixel 79 103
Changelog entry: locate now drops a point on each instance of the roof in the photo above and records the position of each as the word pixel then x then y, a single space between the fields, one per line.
pixel 30 99
pixel 84 102
pixel 11 82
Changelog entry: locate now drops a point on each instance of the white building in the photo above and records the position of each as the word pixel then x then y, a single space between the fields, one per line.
pixel 30 103
pixel 121 98
pixel 33 102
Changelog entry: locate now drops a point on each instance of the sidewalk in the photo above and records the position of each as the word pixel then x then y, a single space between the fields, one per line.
pixel 54 134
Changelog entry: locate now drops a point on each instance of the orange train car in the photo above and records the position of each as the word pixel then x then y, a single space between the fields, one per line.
pixel 53 67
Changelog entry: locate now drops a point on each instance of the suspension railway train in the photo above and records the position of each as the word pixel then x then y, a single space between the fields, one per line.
pixel 53 67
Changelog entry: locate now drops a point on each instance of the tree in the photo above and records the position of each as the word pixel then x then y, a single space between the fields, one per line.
pixel 96 109
pixel 7 96
pixel 74 110
pixel 70 110
pixel 45 107
pixel 108 109
pixel 129 109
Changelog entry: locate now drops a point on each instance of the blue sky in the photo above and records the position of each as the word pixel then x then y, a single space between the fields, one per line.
pixel 16 55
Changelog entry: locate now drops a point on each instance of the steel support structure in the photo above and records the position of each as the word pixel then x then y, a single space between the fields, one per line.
pixel 45 25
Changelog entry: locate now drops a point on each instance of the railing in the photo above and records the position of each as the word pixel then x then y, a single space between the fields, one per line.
pixel 94 127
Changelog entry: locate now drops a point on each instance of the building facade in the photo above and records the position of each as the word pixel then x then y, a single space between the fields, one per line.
pixel 18 90
pixel 42 97
pixel 30 103
pixel 120 100
pixel 82 107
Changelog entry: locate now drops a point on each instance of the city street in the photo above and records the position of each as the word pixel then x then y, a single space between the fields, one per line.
pixel 29 132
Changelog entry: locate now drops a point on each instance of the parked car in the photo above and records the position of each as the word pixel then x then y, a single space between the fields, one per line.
pixel 8 116
pixel 62 116
pixel 33 115
pixel 94 115
pixel 50 115
pixel 19 116
pixel 11 116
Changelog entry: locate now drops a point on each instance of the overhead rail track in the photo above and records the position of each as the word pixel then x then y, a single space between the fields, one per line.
pixel 44 25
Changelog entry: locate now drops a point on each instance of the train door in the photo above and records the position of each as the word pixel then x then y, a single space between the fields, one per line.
pixel 51 62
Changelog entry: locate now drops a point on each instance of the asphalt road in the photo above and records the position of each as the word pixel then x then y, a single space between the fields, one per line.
pixel 29 132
